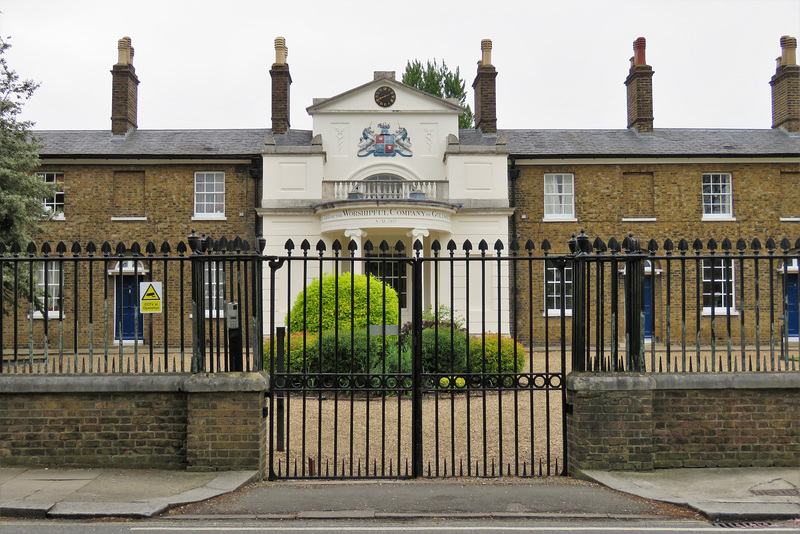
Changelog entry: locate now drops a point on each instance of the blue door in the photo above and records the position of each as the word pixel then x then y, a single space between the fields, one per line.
pixel 648 306
pixel 127 297
pixel 792 315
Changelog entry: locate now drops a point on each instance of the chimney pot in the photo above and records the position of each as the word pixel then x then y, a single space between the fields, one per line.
pixel 639 46
pixel 125 51
pixel 281 51
pixel 486 52
pixel 788 50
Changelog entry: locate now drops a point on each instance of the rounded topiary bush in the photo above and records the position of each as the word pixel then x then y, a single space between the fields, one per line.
pixel 343 304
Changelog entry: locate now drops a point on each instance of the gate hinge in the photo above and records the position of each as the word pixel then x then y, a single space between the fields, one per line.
pixel 265 412
pixel 568 408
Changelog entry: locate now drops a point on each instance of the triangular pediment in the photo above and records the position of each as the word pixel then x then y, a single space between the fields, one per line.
pixel 362 99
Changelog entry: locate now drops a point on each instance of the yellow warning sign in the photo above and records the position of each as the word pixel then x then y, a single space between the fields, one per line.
pixel 150 300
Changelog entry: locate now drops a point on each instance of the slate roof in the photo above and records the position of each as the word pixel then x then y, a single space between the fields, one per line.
pixel 163 143
pixel 662 142
pixel 667 142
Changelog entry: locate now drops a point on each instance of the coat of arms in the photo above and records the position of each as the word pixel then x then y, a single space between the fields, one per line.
pixel 384 144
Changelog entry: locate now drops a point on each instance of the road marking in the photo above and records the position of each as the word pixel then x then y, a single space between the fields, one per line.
pixel 454 528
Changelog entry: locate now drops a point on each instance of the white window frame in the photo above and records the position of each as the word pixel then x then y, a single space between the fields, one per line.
pixel 214 289
pixel 209 204
pixel 49 294
pixel 54 204
pixel 559 197
pixel 552 289
pixel 724 273
pixel 717 194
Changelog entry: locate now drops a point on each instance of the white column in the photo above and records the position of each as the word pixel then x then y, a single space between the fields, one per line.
pixel 418 233
pixel 357 235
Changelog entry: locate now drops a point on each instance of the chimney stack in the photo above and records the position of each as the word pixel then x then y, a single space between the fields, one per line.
pixel 485 91
pixel 124 90
pixel 281 80
pixel 786 88
pixel 640 90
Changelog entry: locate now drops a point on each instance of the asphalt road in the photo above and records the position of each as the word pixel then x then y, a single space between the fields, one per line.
pixel 667 526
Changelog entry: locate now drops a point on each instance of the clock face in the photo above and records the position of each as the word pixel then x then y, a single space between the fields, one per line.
pixel 385 96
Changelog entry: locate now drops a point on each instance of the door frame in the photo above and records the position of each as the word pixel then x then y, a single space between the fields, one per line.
pixel 132 275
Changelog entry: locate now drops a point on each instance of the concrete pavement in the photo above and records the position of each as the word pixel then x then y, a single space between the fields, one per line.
pixel 719 494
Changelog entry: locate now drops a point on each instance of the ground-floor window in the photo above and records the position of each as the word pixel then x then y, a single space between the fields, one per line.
pixel 393 273
pixel 214 284
pixel 554 276
pixel 48 286
pixel 718 286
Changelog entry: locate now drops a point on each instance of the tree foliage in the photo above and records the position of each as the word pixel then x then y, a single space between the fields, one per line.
pixel 21 192
pixel 439 80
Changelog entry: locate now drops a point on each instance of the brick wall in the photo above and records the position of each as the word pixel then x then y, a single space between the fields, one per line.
pixel 195 422
pixel 641 422
pixel 226 431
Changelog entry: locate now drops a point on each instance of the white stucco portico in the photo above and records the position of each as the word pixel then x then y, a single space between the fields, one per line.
pixel 384 162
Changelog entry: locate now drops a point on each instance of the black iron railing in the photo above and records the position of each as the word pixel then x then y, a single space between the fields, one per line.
pixel 127 310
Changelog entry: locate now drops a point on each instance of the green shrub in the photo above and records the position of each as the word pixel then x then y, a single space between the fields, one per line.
pixel 443 350
pixel 443 317
pixel 340 353
pixel 294 362
pixel 397 361
pixel 489 353
pixel 336 303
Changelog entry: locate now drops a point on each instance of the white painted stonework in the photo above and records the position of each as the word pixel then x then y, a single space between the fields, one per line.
pixel 433 188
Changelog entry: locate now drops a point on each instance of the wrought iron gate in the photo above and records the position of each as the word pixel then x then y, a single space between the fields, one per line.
pixel 458 377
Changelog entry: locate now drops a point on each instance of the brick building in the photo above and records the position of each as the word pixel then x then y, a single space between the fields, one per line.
pixel 656 183
pixel 127 184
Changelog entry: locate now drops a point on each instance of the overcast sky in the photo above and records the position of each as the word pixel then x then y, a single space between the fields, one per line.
pixel 561 64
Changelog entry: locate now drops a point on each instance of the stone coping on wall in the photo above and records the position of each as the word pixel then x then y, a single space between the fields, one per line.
pixel 580 381
pixel 119 383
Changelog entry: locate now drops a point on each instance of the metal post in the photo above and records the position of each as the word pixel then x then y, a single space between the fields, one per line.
pixel 580 247
pixel 634 306
pixel 280 365
pixel 416 399
pixel 198 305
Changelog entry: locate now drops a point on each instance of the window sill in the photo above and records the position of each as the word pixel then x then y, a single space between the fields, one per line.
pixel 719 312
pixel 57 217
pixel 51 316
pixel 125 219
pixel 211 315
pixel 790 219
pixel 209 218
pixel 554 220
pixel 726 218
pixel 639 219
pixel 556 313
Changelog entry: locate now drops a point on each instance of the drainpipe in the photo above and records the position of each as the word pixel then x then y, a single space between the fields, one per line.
pixel 513 175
